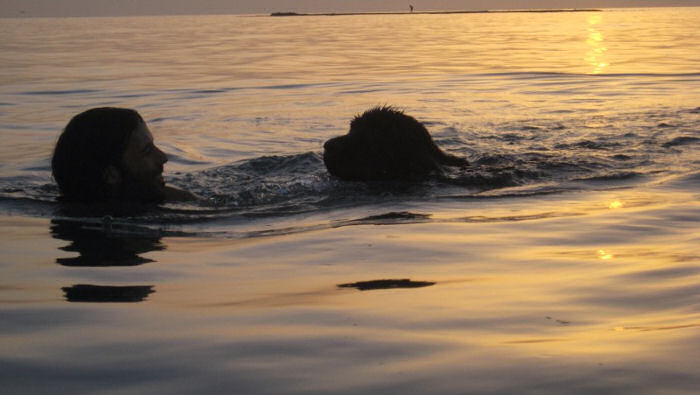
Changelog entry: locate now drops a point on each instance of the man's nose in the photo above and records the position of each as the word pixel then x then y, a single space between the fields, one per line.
pixel 163 156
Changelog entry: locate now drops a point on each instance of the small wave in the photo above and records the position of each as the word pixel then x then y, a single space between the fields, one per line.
pixel 291 86
pixel 214 91
pixel 621 176
pixel 182 160
pixel 513 218
pixel 14 203
pixel 132 95
pixel 172 118
pixel 621 157
pixel 491 178
pixel 40 167
pixel 689 181
pixel 682 140
pixel 392 218
pixel 588 144
pixel 32 188
pixel 665 125
pixel 18 127
pixel 531 128
pixel 548 74
pixel 61 92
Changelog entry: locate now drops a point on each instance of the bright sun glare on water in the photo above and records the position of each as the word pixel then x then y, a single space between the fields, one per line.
pixel 595 55
pixel 616 204
pixel 605 255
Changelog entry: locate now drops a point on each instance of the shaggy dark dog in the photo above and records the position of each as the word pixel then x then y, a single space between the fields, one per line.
pixel 385 144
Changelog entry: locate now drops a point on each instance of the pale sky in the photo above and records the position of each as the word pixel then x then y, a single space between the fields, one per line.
pixel 41 8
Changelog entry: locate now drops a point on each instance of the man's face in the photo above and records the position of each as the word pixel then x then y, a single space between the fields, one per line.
pixel 142 171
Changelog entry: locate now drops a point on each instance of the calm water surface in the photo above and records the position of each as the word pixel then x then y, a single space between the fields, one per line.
pixel 564 260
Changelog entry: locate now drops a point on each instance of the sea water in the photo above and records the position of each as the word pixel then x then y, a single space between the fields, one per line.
pixel 564 259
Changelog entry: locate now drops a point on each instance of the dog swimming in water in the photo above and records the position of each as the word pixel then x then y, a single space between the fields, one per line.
pixel 385 144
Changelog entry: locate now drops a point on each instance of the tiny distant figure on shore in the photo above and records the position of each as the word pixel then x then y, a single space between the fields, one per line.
pixel 385 144
pixel 411 6
pixel 108 154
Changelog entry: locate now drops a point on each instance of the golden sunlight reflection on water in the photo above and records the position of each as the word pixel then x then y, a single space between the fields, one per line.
pixel 605 255
pixel 510 295
pixel 596 53
pixel 616 204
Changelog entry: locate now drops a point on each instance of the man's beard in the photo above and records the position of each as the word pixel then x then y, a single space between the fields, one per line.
pixel 147 191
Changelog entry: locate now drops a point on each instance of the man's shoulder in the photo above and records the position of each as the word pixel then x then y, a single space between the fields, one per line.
pixel 173 194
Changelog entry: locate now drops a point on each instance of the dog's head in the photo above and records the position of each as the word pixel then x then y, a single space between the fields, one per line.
pixel 382 144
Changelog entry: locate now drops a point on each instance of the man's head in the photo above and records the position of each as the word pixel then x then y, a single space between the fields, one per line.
pixel 108 153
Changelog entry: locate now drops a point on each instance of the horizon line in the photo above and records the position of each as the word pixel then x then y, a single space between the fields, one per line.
pixel 24 15
pixel 446 12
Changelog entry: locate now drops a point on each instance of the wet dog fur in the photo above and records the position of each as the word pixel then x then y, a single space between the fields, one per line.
pixel 385 144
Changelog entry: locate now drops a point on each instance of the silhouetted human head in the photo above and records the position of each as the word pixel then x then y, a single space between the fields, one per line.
pixel 385 144
pixel 108 153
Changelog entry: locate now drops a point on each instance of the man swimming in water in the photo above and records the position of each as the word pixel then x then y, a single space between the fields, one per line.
pixel 107 154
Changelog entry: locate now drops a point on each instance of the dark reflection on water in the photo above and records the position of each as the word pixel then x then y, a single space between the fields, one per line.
pixel 107 293
pixel 101 248
pixel 386 284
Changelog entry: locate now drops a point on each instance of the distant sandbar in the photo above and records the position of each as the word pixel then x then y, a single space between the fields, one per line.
pixel 433 12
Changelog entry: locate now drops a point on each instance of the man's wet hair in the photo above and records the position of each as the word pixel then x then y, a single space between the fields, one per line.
pixel 91 142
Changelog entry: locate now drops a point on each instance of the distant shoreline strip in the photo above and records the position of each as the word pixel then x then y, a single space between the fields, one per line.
pixel 436 12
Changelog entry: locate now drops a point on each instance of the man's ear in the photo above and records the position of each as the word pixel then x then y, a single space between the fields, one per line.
pixel 112 176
